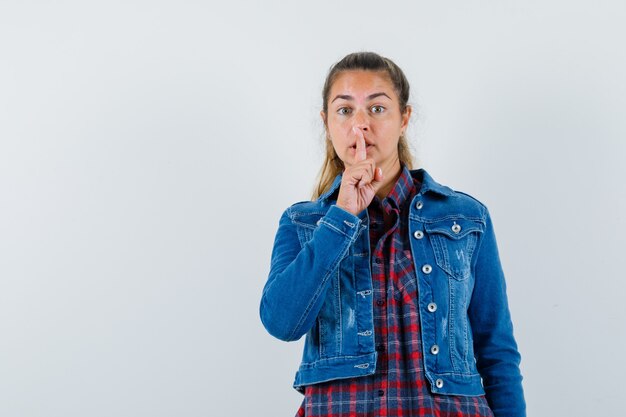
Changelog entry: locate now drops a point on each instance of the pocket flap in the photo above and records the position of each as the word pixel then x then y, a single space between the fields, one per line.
pixel 455 227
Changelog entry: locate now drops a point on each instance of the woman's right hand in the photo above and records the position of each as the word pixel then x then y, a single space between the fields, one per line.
pixel 360 181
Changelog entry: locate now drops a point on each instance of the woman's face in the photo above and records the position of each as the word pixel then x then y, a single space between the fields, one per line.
pixel 365 100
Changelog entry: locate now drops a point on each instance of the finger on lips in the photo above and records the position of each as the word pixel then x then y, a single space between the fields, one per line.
pixel 363 164
pixel 361 153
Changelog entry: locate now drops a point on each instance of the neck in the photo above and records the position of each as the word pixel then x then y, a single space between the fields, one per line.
pixel 391 174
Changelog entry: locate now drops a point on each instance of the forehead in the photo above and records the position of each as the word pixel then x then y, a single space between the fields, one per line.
pixel 361 83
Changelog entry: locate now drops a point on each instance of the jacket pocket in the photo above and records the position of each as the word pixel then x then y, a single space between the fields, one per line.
pixel 453 241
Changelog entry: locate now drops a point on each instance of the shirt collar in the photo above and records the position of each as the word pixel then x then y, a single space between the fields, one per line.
pixel 428 185
pixel 403 187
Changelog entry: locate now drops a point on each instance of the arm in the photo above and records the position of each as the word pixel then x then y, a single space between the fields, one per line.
pixel 497 357
pixel 299 276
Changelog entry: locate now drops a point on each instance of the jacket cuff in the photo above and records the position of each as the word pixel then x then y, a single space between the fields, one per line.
pixel 341 221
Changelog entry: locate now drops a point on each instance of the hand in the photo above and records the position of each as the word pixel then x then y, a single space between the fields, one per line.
pixel 360 181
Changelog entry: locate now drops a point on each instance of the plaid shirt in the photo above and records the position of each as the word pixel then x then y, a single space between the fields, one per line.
pixel 399 387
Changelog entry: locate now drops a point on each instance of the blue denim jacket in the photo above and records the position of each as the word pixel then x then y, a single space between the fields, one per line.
pixel 320 276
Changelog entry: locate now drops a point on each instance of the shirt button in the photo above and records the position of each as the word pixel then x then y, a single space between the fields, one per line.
pixel 427 269
pixel 434 350
pixel 381 392
pixel 374 226
pixel 380 348
pixel 418 234
pixel 378 261
pixel 419 205
pixel 439 383
pixel 380 302
pixel 432 307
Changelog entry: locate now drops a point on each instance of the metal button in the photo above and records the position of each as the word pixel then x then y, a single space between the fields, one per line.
pixel 456 228
pixel 418 234
pixel 318 222
pixel 432 307
pixel 439 383
pixel 427 269
pixel 419 205
pixel 434 350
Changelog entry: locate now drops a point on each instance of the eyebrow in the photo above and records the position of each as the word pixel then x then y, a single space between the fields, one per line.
pixel 371 96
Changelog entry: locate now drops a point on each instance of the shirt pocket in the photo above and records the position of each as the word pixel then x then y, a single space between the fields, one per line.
pixel 453 241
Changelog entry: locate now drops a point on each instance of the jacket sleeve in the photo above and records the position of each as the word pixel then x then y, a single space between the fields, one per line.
pixel 495 348
pixel 300 274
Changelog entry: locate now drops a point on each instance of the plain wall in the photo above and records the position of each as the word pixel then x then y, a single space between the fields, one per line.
pixel 148 148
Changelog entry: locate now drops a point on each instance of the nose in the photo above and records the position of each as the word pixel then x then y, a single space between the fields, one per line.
pixel 361 121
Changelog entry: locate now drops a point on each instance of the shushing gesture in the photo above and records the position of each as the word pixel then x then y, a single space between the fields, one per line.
pixel 360 181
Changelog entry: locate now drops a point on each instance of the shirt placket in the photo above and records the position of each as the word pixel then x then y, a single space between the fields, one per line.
pixel 384 221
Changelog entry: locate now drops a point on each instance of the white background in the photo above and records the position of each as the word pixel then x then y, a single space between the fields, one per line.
pixel 148 148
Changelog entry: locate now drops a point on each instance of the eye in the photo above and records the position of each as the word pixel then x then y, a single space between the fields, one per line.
pixel 340 110
pixel 378 107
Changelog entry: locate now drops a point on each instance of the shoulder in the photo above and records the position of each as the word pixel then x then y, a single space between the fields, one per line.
pixel 446 199
pixel 469 198
pixel 465 204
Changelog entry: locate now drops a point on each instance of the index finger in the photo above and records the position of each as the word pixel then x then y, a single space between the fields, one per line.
pixel 361 153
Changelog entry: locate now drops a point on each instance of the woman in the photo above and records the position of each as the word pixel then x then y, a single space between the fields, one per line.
pixel 394 278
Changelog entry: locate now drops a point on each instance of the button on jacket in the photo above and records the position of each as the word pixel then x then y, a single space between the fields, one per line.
pixel 320 285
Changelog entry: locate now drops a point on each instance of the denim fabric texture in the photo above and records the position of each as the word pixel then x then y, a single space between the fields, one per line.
pixel 320 285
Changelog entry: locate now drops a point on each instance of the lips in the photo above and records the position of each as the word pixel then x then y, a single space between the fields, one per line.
pixel 368 149
pixel 367 145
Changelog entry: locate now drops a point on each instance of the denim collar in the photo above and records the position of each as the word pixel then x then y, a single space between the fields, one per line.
pixel 428 185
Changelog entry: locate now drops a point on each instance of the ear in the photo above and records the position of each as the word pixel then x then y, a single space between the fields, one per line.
pixel 406 116
pixel 323 116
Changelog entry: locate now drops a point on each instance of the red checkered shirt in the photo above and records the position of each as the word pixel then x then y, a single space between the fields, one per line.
pixel 398 387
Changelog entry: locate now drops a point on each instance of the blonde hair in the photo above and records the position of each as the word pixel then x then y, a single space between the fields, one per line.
pixel 367 61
